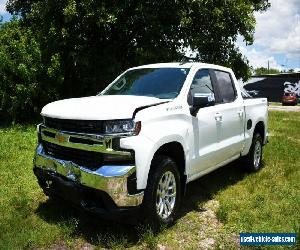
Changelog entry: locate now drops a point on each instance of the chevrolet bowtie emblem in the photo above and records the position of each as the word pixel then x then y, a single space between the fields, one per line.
pixel 61 137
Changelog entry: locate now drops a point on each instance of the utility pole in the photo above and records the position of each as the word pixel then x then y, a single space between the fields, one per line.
pixel 268 67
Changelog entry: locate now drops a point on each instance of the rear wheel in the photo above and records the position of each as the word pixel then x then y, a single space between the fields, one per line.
pixel 253 160
pixel 163 194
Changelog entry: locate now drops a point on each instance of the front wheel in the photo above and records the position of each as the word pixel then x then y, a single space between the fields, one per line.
pixel 163 194
pixel 254 158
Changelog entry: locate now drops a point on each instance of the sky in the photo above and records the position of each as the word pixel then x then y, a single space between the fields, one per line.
pixel 276 39
pixel 3 11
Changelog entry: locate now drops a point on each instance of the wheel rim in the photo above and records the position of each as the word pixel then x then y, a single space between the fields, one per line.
pixel 257 154
pixel 166 195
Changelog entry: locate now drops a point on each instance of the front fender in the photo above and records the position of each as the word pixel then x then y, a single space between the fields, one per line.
pixel 145 148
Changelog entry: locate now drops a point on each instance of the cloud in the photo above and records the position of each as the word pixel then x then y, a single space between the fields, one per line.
pixel 259 58
pixel 277 36
pixel 2 7
pixel 289 45
pixel 278 29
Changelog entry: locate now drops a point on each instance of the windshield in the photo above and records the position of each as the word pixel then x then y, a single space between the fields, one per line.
pixel 163 83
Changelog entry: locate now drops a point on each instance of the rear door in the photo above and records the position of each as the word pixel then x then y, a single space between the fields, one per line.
pixel 229 116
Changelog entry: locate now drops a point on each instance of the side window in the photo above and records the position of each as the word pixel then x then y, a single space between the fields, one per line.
pixel 201 84
pixel 225 86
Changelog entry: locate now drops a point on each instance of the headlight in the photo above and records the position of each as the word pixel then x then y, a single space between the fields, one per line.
pixel 122 126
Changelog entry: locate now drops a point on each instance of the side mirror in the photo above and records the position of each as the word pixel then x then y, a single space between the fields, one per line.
pixel 203 100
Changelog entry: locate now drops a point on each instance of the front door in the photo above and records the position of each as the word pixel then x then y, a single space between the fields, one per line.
pixel 205 133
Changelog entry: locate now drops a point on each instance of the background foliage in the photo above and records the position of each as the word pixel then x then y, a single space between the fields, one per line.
pixel 63 48
pixel 264 71
pixel 25 83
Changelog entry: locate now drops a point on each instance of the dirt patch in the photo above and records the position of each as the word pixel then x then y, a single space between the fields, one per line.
pixel 210 226
pixel 198 229
pixel 60 245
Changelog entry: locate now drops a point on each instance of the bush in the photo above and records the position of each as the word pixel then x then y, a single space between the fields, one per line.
pixel 23 77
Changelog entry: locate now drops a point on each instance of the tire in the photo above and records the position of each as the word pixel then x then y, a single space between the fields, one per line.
pixel 161 203
pixel 253 160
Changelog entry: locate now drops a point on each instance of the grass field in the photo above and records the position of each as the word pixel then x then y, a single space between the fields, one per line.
pixel 217 207
pixel 275 103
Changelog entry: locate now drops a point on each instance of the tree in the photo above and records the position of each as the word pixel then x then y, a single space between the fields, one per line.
pixel 98 39
pixel 74 48
pixel 265 71
pixel 23 88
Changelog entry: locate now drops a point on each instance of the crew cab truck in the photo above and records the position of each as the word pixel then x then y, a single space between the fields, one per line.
pixel 135 146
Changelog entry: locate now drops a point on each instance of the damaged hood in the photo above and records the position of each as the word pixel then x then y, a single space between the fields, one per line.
pixel 106 107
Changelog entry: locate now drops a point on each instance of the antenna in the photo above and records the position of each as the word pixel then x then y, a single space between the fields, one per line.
pixel 186 59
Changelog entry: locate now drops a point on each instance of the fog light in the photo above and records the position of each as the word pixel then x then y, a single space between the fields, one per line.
pixel 113 158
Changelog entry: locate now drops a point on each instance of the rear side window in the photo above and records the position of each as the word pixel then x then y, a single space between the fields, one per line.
pixel 225 86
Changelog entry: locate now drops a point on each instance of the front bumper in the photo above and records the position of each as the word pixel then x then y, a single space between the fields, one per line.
pixel 110 179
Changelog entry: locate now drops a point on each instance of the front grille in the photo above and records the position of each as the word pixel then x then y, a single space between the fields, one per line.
pixel 92 160
pixel 79 126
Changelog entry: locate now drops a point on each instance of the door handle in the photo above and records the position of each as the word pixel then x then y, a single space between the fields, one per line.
pixel 218 117
pixel 240 113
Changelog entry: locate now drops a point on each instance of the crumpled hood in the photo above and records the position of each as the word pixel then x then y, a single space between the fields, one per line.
pixel 106 107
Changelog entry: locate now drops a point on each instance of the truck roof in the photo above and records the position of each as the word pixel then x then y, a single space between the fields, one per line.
pixel 182 65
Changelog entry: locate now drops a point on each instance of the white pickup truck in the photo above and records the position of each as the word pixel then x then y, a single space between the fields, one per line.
pixel 135 146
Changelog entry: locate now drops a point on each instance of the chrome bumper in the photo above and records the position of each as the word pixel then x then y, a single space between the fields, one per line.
pixel 111 179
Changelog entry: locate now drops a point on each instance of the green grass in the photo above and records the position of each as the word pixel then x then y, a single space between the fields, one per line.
pixel 216 208
pixel 268 201
pixel 275 104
